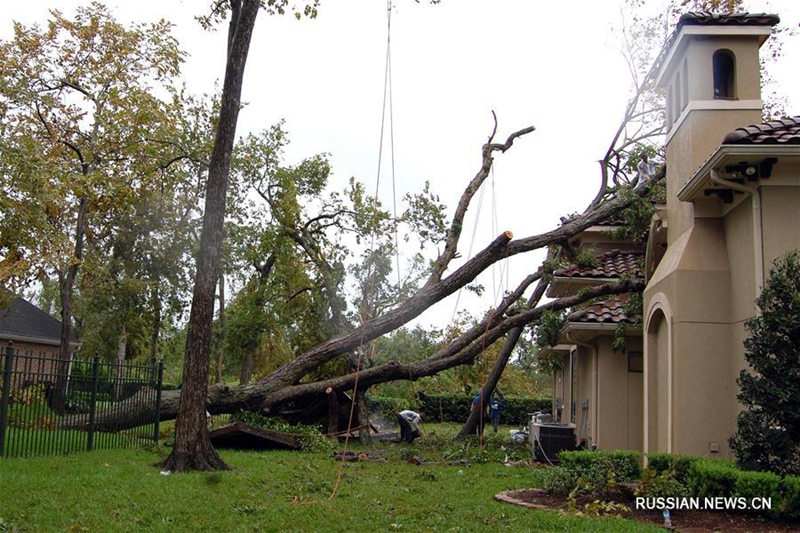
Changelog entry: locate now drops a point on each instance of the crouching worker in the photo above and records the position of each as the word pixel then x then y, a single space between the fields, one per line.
pixel 409 425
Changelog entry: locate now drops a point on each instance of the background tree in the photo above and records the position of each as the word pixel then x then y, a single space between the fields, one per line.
pixel 768 434
pixel 81 128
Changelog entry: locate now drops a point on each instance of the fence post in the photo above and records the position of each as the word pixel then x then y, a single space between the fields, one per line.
pixel 93 402
pixel 6 395
pixel 158 400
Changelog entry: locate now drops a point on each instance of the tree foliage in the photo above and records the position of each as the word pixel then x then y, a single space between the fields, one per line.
pixel 768 435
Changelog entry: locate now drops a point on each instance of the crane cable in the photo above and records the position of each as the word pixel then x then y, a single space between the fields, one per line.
pixel 387 89
pixel 387 96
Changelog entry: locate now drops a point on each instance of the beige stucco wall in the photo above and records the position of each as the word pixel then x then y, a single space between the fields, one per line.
pixel 780 208
pixel 695 278
pixel 702 409
pixel 619 398
pixel 585 426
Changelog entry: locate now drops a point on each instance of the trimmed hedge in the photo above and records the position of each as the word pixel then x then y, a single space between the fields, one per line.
pixel 712 477
pixel 679 464
pixel 706 477
pixel 752 485
pixel 386 406
pixel 456 408
pixel 626 464
pixel 790 502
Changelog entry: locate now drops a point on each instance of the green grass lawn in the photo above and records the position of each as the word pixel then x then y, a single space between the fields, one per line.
pixel 121 490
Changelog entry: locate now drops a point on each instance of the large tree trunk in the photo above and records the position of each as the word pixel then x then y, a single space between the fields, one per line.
pixel 246 373
pixel 66 284
pixel 156 305
pixel 192 448
pixel 362 416
pixel 119 378
pixel 223 331
pixel 476 417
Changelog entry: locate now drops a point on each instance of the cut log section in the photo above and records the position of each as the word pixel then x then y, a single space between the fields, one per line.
pixel 246 437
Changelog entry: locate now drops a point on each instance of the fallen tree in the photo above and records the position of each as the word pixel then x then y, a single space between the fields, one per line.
pixel 286 383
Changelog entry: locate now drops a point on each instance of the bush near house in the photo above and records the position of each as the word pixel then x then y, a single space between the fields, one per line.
pixel 626 464
pixel 790 504
pixel 594 473
pixel 678 464
pixel 766 438
pixel 704 477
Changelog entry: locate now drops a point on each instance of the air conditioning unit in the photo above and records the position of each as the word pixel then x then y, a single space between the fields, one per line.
pixel 548 439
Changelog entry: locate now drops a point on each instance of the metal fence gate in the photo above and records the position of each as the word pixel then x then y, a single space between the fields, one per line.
pixel 52 406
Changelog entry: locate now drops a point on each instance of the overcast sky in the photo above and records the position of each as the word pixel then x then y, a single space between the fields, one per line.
pixel 541 63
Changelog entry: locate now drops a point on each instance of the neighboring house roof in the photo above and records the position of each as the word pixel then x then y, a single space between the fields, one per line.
pixel 610 265
pixel 23 321
pixel 727 19
pixel 783 131
pixel 605 312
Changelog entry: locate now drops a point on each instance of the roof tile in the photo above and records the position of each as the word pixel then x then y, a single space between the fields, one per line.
pixel 728 19
pixel 612 264
pixel 784 131
pixel 611 311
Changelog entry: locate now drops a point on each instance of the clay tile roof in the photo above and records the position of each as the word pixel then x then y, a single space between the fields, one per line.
pixel 728 19
pixel 611 311
pixel 783 131
pixel 611 264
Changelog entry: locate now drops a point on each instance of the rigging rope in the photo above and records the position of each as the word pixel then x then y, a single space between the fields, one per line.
pixel 387 89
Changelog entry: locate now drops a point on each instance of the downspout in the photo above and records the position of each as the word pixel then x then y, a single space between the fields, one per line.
pixel 755 195
pixel 596 392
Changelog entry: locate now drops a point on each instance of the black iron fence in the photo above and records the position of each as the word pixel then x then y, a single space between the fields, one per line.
pixel 52 406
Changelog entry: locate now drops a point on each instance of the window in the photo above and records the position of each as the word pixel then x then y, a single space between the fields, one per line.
pixel 573 369
pixel 723 63
pixel 635 361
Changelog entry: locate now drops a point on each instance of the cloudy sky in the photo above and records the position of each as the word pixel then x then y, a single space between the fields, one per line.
pixel 452 64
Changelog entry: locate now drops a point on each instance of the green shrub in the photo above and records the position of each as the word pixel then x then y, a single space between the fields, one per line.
pixel 456 408
pixel 790 497
pixel 561 481
pixel 712 477
pixel 386 406
pixel 768 426
pixel 598 473
pixel 626 464
pixel 759 485
pixel 678 464
pixel 706 477
pixel 660 484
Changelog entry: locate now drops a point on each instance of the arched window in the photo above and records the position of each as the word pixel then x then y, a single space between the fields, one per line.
pixel 724 65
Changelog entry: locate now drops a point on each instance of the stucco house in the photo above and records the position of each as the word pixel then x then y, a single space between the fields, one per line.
pixel 733 207
pixel 598 384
